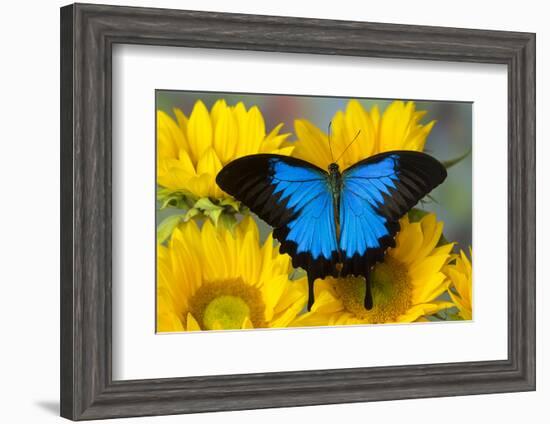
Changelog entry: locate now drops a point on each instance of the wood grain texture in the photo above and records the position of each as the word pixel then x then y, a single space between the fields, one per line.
pixel 66 212
pixel 88 33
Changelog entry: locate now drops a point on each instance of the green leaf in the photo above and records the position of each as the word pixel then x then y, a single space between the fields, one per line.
pixel 228 221
pixel 162 192
pixel 166 227
pixel 205 204
pixel 191 213
pixel 416 215
pixel 172 201
pixel 214 215
pixel 454 317
pixel 440 316
pixel 180 199
pixel 222 211
pixel 448 163
pixel 232 203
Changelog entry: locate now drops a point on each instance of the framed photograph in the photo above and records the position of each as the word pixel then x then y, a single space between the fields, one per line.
pixel 263 212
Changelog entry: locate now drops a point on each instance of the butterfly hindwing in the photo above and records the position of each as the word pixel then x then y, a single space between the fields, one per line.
pixel 376 193
pixel 292 196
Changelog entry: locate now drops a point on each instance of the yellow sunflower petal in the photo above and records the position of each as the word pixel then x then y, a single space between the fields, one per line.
pixel 192 150
pixel 247 324
pixel 460 274
pixel 312 145
pixel 427 266
pixel 408 242
pixel 209 164
pixel 285 318
pixel 186 257
pixel 199 131
pixel 464 308
pixel 168 295
pixel 395 125
pixel 192 324
pixel 200 184
pixel 272 292
pixel 416 140
pixel 214 263
pixel 274 141
pixel 327 303
pixel 213 273
pixel 184 164
pixel 225 133
pixel 182 120
pixel 398 128
pixel 215 113
pixel 465 262
pixel 431 233
pixel 255 130
pixel 375 119
pixel 424 309
pixel 170 138
pixel 295 294
pixel 429 287
pixel 168 323
pixel 358 121
pixel 170 174
pixel 461 283
pixel 249 253
pixel 167 316
pixel 267 258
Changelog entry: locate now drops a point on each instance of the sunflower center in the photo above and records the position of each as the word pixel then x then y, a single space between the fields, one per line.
pixel 225 305
pixel 225 312
pixel 391 292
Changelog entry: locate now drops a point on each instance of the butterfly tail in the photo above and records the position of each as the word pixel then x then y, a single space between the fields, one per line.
pixel 311 295
pixel 368 293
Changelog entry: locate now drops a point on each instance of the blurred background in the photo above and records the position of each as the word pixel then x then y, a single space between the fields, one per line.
pixel 450 138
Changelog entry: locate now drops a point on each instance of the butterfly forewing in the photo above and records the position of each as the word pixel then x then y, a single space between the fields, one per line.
pixel 294 197
pixel 376 193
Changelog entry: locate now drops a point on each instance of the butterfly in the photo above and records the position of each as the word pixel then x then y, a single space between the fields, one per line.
pixel 332 222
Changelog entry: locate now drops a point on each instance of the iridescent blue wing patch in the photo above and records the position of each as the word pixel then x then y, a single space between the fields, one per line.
pixel 376 193
pixel 294 197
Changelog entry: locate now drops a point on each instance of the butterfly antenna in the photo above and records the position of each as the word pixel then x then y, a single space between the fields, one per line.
pixel 348 146
pixel 329 145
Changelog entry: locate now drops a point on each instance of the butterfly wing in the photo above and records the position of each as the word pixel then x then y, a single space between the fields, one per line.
pixel 376 193
pixel 294 197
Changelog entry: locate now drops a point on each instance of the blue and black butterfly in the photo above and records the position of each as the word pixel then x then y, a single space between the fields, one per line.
pixel 333 223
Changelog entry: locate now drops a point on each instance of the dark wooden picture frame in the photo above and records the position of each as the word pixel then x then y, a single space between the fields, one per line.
pixel 88 33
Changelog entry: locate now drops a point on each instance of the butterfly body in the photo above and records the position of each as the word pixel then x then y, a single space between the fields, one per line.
pixel 335 179
pixel 332 222
pixel 335 183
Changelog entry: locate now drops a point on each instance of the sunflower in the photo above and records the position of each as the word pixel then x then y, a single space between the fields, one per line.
pixel 398 128
pixel 212 279
pixel 460 290
pixel 406 286
pixel 192 150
